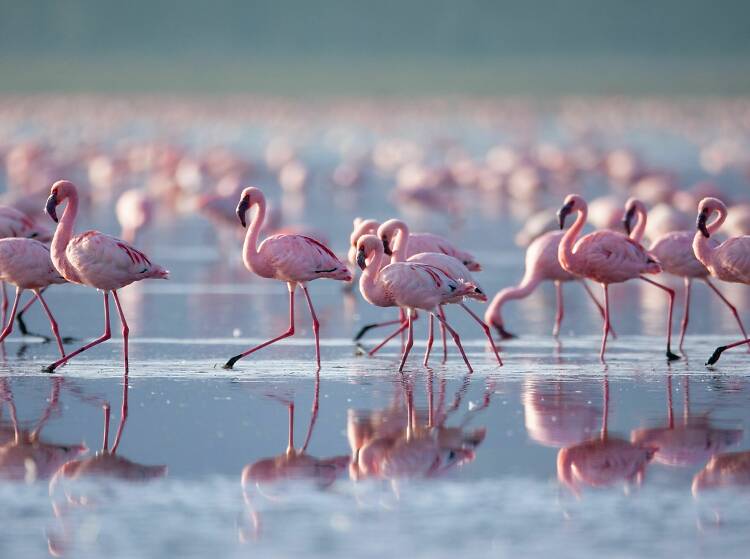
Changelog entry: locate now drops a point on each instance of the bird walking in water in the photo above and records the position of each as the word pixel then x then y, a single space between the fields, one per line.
pixel 96 260
pixel 674 251
pixel 606 257
pixel 409 286
pixel 728 261
pixel 294 259
pixel 26 264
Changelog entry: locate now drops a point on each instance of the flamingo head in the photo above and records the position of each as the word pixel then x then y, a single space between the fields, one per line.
pixel 249 197
pixel 59 192
pixel 707 207
pixel 389 230
pixel 572 203
pixel 632 207
pixel 367 247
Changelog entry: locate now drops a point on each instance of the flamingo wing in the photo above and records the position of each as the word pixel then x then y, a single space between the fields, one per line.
pixel 734 259
pixel 299 258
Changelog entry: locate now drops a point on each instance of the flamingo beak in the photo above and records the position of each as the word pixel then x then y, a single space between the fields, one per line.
pixel 627 220
pixel 563 212
pixel 242 208
pixel 701 223
pixel 361 261
pixel 387 247
pixel 50 207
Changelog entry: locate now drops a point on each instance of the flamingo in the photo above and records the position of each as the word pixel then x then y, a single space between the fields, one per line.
pixel 294 259
pixel 408 285
pixel 606 257
pixel 730 469
pixel 134 211
pixel 674 251
pixel 542 264
pixel 451 266
pixel 727 261
pixel 96 260
pixel 26 264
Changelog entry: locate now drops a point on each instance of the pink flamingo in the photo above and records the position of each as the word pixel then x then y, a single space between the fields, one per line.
pixel 542 264
pixel 94 259
pixel 396 232
pixel 294 259
pixel 408 285
pixel 674 251
pixel 730 469
pixel 26 264
pixel 727 261
pixel 134 211
pixel 606 257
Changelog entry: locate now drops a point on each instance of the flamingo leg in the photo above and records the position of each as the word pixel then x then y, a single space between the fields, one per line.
pixel 409 342
pixel 367 327
pixel 560 309
pixel 314 413
pixel 430 340
pixel 606 322
pixel 290 440
pixel 5 301
pixel 685 311
pixel 52 321
pixel 441 314
pixel 395 333
pixel 105 439
pixel 22 324
pixel 721 349
pixel 670 356
pixel 486 330
pixel 125 329
pixel 9 326
pixel 728 304
pixel 123 413
pixel 457 340
pixel 103 338
pixel 315 323
pixel 290 332
pixel 598 306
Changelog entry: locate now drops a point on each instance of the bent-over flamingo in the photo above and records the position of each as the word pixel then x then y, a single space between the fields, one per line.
pixel 674 251
pixel 407 285
pixel 606 257
pixel 728 261
pixel 294 259
pixel 94 259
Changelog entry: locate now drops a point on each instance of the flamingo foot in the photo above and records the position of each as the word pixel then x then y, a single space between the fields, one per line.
pixel 49 368
pixel 716 355
pixel 672 356
pixel 230 364
pixel 503 333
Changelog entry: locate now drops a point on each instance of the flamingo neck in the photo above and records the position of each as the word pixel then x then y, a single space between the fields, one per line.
pixel 703 248
pixel 521 291
pixel 401 244
pixel 640 226
pixel 369 285
pixel 250 255
pixel 62 236
pixel 565 250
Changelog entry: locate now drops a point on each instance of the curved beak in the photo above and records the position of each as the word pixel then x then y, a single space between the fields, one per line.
pixel 361 261
pixel 701 224
pixel 387 247
pixel 50 207
pixel 242 208
pixel 627 220
pixel 562 213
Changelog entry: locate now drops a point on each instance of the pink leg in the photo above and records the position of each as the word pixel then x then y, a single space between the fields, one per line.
pixel 441 314
pixel 598 306
pixel 290 440
pixel 22 324
pixel 9 326
pixel 5 301
pixel 314 413
pixel 395 333
pixel 105 440
pixel 123 413
pixel 486 330
pixel 670 356
pixel 290 332
pixel 315 323
pixel 52 321
pixel 606 322
pixel 685 311
pixel 457 340
pixel 430 340
pixel 409 342
pixel 125 329
pixel 560 309
pixel 728 304
pixel 103 338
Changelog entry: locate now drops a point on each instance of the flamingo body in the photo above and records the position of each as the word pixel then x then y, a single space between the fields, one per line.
pixel 296 258
pixel 26 263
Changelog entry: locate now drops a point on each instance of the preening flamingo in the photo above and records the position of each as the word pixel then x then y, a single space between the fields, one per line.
pixel 407 285
pixel 396 239
pixel 294 259
pixel 94 259
pixel 729 261
pixel 26 264
pixel 674 251
pixel 542 264
pixel 606 257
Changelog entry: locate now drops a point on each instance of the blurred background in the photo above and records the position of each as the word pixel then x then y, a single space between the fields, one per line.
pixel 426 47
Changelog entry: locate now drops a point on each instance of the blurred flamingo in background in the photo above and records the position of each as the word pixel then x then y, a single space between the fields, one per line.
pixel 607 257
pixel 294 259
pixel 134 211
pixel 94 259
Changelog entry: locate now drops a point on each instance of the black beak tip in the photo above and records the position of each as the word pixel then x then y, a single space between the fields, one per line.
pixel 242 208
pixel 50 208
pixel 361 262
pixel 702 226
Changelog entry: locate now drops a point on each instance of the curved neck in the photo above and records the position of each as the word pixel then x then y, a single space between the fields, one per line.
pixel 401 243
pixel 716 224
pixel 521 291
pixel 368 281
pixel 565 250
pixel 703 247
pixel 62 236
pixel 250 248
pixel 640 226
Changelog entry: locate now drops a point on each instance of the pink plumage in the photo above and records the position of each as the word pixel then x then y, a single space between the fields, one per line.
pixel 134 210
